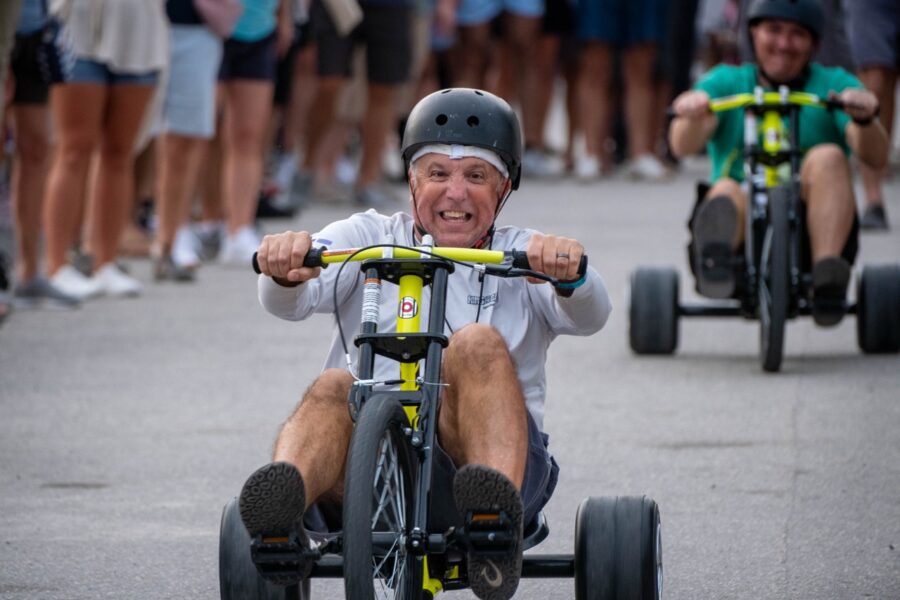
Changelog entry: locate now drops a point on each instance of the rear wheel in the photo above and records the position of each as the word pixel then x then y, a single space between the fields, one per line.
pixel 238 577
pixel 378 507
pixel 653 312
pixel 618 549
pixel 774 281
pixel 878 309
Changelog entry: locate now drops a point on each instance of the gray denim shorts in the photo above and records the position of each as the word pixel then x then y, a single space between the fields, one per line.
pixel 874 32
pixel 541 475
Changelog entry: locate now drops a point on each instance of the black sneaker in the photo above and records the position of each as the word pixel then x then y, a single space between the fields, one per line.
pixel 484 494
pixel 714 227
pixel 874 218
pixel 830 277
pixel 271 505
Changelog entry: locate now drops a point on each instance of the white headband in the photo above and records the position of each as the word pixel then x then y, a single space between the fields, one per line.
pixel 456 151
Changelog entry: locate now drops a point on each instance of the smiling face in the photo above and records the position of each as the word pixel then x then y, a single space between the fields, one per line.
pixel 783 48
pixel 455 200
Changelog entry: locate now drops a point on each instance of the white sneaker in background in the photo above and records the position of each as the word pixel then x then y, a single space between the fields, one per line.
pixel 186 248
pixel 647 167
pixel 542 164
pixel 71 282
pixel 237 250
pixel 587 168
pixel 391 163
pixel 285 168
pixel 113 282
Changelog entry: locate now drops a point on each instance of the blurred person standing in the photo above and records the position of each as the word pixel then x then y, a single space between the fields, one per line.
pixel 120 49
pixel 636 28
pixel 30 118
pixel 246 87
pixel 187 124
pixel 9 15
pixel 874 27
pixel 385 30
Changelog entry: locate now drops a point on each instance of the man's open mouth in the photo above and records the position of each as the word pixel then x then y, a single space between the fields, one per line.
pixel 455 215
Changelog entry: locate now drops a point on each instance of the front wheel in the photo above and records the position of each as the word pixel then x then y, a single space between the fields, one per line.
pixel 618 549
pixel 653 311
pixel 774 281
pixel 238 577
pixel 378 507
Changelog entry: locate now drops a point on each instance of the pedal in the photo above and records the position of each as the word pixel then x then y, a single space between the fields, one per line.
pixel 283 560
pixel 490 533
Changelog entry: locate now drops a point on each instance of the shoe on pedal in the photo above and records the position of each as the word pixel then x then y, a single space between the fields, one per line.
pixel 271 506
pixel 483 495
pixel 830 277
pixel 714 227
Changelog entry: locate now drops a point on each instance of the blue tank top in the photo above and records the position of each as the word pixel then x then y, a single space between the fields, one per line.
pixel 257 22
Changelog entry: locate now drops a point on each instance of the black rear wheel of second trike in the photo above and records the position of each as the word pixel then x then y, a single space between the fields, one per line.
pixel 618 549
pixel 878 309
pixel 653 310
pixel 238 577
pixel 774 280
pixel 378 507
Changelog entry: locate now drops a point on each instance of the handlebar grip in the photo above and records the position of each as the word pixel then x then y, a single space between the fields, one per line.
pixel 520 261
pixel 312 259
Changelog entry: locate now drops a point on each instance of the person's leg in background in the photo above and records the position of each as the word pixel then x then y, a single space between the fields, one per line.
pixel 597 31
pixel 129 97
pixel 9 16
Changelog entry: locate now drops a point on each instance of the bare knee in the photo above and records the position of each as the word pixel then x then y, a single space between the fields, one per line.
pixel 476 343
pixel 330 389
pixel 825 161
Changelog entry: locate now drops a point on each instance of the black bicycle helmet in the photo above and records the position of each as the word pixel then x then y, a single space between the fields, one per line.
pixel 808 13
pixel 469 117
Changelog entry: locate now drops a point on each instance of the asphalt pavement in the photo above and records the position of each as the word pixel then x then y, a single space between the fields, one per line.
pixel 126 425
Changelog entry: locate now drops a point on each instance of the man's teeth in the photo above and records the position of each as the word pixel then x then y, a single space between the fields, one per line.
pixel 453 214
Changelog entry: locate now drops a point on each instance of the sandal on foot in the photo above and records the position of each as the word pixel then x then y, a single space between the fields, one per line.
pixel 271 505
pixel 484 493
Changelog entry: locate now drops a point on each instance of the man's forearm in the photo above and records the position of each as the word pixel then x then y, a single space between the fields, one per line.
pixel 869 142
pixel 688 136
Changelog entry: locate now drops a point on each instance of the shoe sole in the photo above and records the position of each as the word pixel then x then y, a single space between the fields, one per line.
pixel 272 500
pixel 830 277
pixel 481 489
pixel 713 229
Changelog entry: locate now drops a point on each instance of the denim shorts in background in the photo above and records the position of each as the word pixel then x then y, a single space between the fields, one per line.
pixel 476 12
pixel 189 108
pixel 622 23
pixel 873 29
pixel 91 71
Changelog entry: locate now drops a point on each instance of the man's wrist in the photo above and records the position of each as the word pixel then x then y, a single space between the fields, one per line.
pixel 865 122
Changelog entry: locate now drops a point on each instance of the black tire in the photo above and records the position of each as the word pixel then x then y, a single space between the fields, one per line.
pixel 618 549
pixel 774 281
pixel 379 460
pixel 878 309
pixel 238 577
pixel 653 311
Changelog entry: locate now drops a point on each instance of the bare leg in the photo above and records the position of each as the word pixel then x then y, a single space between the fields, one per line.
pixel 114 187
pixel 377 123
pixel 179 165
pixel 640 97
pixel 828 191
pixel 32 134
pixel 543 87
pixel 474 43
pixel 732 189
pixel 246 118
pixel 315 438
pixel 882 82
pixel 321 118
pixel 482 424
pixel 78 115
pixel 596 101
pixel 524 35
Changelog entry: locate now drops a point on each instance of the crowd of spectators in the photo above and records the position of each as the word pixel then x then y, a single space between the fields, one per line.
pixel 254 108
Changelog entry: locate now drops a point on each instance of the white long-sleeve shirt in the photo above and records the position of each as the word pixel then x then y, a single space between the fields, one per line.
pixel 528 316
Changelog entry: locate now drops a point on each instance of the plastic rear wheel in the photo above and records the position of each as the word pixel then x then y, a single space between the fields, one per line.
pixel 618 549
pixel 878 309
pixel 774 281
pixel 238 577
pixel 378 507
pixel 653 311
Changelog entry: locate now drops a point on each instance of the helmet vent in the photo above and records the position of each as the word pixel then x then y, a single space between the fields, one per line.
pixel 478 93
pixel 472 121
pixel 441 119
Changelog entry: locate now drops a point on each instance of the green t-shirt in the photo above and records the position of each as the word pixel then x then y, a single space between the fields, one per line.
pixel 817 125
